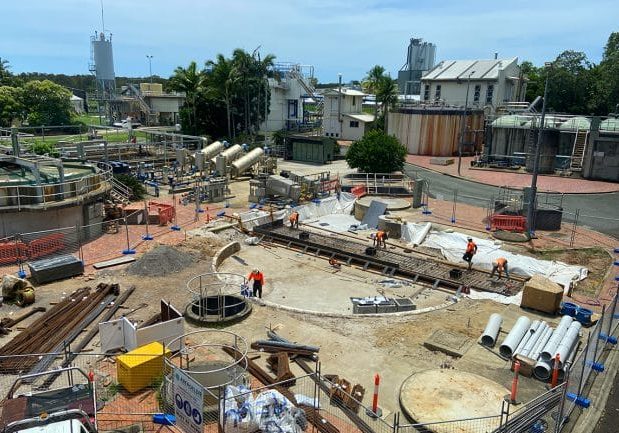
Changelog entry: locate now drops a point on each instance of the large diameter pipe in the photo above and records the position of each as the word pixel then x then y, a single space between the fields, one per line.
pixel 551 347
pixel 541 343
pixel 488 338
pixel 230 153
pixel 514 337
pixel 532 328
pixel 212 150
pixel 533 339
pixel 542 370
pixel 244 162
pixel 568 343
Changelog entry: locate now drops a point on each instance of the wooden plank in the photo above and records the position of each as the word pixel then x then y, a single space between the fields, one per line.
pixel 114 262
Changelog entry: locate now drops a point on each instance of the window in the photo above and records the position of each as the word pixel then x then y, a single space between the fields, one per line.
pixel 292 108
pixel 354 124
pixel 437 92
pixel 426 92
pixel 337 135
pixel 489 93
pixel 354 101
pixel 477 93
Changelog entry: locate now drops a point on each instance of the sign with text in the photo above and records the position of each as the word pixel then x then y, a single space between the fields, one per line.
pixel 188 402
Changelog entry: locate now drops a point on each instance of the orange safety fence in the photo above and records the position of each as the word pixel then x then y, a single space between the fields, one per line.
pixel 12 252
pixel 46 245
pixel 165 211
pixel 359 191
pixel 512 223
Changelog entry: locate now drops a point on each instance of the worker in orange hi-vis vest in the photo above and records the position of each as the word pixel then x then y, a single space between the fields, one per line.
pixel 258 278
pixel 500 265
pixel 294 220
pixel 381 237
pixel 471 250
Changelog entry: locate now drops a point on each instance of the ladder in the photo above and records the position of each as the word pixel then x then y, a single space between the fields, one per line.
pixel 120 193
pixel 578 151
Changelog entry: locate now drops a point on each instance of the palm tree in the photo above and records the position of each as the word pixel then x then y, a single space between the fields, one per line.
pixel 387 95
pixel 371 83
pixel 261 68
pixel 190 81
pixel 221 79
pixel 242 62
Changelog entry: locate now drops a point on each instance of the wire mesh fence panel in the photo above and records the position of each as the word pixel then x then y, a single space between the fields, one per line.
pixel 51 243
pixel 473 425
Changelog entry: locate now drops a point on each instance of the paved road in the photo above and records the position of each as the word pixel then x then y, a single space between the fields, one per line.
pixel 599 212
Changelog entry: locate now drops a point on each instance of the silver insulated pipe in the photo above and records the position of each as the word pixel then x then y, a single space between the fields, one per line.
pixel 488 338
pixel 551 347
pixel 230 153
pixel 514 337
pixel 244 162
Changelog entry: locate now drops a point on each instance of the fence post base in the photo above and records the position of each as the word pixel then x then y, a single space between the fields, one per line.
pixel 128 251
pixel 175 228
pixel 369 412
pixel 147 238
pixel 21 273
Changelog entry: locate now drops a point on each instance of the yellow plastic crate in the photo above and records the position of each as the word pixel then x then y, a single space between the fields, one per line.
pixel 137 369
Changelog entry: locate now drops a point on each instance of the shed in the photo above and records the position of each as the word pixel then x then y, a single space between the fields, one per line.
pixel 302 148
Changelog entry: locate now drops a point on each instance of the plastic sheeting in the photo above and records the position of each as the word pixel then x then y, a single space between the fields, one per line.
pixel 452 246
pixel 414 233
pixel 328 206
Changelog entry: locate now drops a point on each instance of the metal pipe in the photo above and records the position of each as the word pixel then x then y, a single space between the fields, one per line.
pixel 530 332
pixel 541 343
pixel 533 339
pixel 568 343
pixel 490 334
pixel 514 337
pixel 542 370
pixel 550 349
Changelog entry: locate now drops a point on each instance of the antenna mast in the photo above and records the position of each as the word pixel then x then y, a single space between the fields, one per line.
pixel 102 19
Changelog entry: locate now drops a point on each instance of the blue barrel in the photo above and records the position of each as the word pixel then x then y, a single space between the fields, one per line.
pixel 583 315
pixel 569 309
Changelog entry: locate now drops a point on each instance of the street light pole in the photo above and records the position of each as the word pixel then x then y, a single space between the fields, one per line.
pixel 538 145
pixel 339 104
pixel 466 103
pixel 150 67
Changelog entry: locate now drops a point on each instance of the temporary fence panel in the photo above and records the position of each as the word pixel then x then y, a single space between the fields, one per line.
pixel 473 425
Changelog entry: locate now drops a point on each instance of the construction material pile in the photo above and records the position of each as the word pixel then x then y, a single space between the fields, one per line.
pixel 58 326
pixel 161 260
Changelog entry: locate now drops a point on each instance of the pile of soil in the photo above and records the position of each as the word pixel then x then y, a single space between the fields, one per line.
pixel 205 242
pixel 161 260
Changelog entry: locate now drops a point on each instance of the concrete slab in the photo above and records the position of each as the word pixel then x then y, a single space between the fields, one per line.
pixel 114 262
pixel 451 343
pixel 445 394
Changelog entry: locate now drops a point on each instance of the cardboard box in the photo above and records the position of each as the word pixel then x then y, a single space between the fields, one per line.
pixel 139 368
pixel 541 294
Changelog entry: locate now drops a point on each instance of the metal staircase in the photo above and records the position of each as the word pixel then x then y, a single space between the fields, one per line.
pixel 120 193
pixel 578 151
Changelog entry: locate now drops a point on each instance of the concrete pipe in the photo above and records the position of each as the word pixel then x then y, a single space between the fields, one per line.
pixel 542 370
pixel 568 343
pixel 551 347
pixel 533 339
pixel 541 343
pixel 527 337
pixel 514 337
pixel 488 338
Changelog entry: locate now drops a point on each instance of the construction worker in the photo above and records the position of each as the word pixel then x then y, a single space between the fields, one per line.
pixel 294 219
pixel 333 262
pixel 500 265
pixel 380 237
pixel 258 278
pixel 471 250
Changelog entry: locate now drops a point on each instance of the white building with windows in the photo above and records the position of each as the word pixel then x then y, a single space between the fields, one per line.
pixel 490 83
pixel 348 121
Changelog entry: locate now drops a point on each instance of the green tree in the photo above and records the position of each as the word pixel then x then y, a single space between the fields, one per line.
pixel 387 96
pixel 6 78
pixel 11 106
pixel 46 103
pixel 220 80
pixel 371 83
pixel 376 152
pixel 190 81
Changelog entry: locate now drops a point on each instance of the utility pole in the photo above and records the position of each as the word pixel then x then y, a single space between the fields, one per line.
pixel 150 67
pixel 538 145
pixel 339 104
pixel 466 103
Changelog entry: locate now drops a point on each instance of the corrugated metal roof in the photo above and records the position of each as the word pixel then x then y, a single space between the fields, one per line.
pixel 460 69
pixel 361 117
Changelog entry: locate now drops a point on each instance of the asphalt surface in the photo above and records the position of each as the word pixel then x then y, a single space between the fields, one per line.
pixel 599 212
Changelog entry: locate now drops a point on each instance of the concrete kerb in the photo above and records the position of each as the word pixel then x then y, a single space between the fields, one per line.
pixel 223 254
pixel 599 394
pixel 488 184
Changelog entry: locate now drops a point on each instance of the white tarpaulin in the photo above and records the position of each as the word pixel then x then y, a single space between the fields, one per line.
pixel 453 245
pixel 414 233
pixel 339 223
pixel 328 206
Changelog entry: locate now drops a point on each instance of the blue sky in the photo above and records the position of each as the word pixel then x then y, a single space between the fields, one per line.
pixel 347 36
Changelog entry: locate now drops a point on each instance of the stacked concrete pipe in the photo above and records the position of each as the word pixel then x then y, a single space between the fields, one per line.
pixel 563 347
pixel 490 334
pixel 530 332
pixel 515 336
pixel 533 339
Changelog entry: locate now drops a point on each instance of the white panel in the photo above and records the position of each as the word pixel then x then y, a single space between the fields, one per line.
pixel 130 334
pixel 113 334
pixel 162 332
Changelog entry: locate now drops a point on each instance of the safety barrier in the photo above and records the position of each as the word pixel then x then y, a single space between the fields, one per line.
pixel 46 245
pixel 12 252
pixel 359 191
pixel 508 223
pixel 166 212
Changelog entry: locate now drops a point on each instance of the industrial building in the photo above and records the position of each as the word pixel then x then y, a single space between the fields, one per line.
pixel 343 116
pixel 420 58
pixel 490 84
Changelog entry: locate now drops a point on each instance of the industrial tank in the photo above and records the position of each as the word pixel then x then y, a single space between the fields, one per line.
pixel 212 149
pixel 230 153
pixel 509 135
pixel 243 163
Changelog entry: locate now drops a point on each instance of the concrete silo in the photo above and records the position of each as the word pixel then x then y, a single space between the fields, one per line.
pixel 102 64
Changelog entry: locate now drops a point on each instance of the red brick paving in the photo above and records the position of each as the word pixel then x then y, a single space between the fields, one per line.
pixel 512 179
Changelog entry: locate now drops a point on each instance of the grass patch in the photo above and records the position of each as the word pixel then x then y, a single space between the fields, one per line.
pixel 596 259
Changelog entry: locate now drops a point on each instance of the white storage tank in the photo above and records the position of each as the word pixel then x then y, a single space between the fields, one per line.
pixel 243 163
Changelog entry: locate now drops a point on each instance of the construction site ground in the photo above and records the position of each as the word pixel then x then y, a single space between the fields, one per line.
pixel 354 347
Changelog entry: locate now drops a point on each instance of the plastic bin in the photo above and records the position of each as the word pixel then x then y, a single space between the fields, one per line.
pixel 569 309
pixel 137 369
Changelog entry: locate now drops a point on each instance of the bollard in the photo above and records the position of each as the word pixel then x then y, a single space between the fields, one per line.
pixel 375 411
pixel 128 250
pixel 512 396
pixel 555 371
pixel 175 226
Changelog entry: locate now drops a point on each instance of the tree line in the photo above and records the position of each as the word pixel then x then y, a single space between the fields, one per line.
pixel 576 85
pixel 228 96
